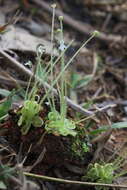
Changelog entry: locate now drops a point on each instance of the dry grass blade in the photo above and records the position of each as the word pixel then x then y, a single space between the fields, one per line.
pixel 39 159
pixel 46 178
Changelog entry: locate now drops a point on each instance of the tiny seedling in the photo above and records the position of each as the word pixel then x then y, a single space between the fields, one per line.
pixel 58 126
pixel 29 113
pixel 105 173
pixel 29 116
pixel 57 123
pixel 101 173
pixel 79 148
pixel 80 145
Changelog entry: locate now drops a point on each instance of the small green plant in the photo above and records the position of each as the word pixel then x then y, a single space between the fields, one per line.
pixel 59 126
pixel 57 121
pixel 80 145
pixel 101 173
pixel 105 173
pixel 79 148
pixel 29 116
pixel 29 113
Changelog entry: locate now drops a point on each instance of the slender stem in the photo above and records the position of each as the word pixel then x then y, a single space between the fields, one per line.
pixel 28 86
pixel 56 61
pixel 68 63
pixel 42 138
pixel 3 117
pixel 72 182
pixel 63 85
pixel 94 113
pixel 11 62
pixel 34 88
pixel 52 53
pixel 46 73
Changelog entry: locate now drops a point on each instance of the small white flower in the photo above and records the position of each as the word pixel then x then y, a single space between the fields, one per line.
pixel 40 50
pixel 62 46
pixel 28 63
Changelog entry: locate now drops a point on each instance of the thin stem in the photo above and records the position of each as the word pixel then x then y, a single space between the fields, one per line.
pixel 34 89
pixel 63 84
pixel 59 57
pixel 72 182
pixel 52 53
pixel 28 86
pixel 46 73
pixel 42 138
pixel 68 63
pixel 94 113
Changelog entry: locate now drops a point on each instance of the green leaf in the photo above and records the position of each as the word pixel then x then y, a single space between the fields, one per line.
pixel 40 72
pixel 99 130
pixel 38 122
pixel 2 185
pixel 29 116
pixel 20 121
pixel 84 82
pixel 77 81
pixel 58 125
pixel 5 106
pixel 74 79
pixel 88 104
pixel 119 125
pixel 16 97
pixel 4 92
pixel 100 173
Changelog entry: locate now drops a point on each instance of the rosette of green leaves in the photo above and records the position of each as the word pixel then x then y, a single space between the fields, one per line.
pixel 101 173
pixel 29 116
pixel 59 126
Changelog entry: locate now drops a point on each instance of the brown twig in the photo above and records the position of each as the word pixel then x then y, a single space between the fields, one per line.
pixel 46 178
pixel 78 25
pixel 12 83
